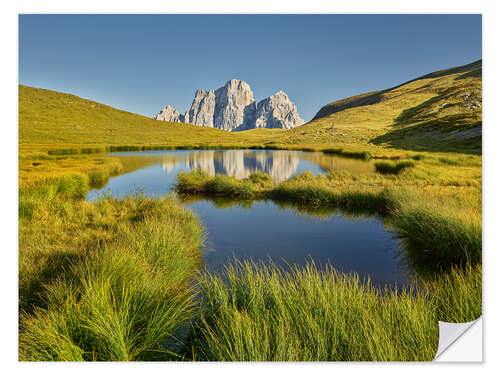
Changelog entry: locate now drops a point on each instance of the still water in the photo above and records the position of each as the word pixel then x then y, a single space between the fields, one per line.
pixel 263 230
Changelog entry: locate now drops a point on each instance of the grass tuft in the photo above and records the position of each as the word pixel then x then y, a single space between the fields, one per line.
pixel 364 155
pixel 385 167
pixel 108 281
pixel 418 157
pixel 258 312
pixel 450 235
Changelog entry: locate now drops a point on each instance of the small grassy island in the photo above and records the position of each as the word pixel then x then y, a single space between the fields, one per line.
pixel 122 279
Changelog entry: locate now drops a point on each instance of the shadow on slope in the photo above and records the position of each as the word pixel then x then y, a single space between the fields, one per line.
pixel 473 70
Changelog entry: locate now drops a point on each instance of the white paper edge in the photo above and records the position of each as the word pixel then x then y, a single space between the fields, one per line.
pixel 460 342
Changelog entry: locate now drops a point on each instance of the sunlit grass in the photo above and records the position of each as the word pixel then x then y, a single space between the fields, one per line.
pixel 364 155
pixel 259 312
pixel 386 167
pixel 110 280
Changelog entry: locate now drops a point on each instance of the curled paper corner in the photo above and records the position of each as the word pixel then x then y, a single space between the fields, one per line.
pixel 451 333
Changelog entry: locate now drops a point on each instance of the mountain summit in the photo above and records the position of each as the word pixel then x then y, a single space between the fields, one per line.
pixel 233 108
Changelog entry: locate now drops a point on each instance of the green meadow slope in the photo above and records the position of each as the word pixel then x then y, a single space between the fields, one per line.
pixel 441 111
pixel 51 118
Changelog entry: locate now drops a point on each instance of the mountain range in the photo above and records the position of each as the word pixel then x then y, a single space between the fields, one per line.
pixel 233 108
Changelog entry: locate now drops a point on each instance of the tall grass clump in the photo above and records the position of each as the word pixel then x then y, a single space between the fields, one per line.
pixel 306 188
pixel 111 280
pixel 113 308
pixel 449 235
pixel 418 157
pixel 266 147
pixel 457 294
pixel 75 185
pixel 449 161
pixel 385 167
pixel 33 196
pixel 260 179
pixel 461 161
pixel 63 151
pixel 99 176
pixel 302 188
pixel 192 183
pixel 199 182
pixel 222 185
pixel 364 155
pixel 258 312
pixel 351 199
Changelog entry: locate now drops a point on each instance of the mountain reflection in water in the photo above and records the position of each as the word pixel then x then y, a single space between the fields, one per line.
pixel 280 165
pixel 287 233
pixel 238 163
pixel 155 172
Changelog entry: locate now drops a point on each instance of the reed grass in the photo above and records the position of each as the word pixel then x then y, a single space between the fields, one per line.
pixel 393 168
pixel 457 294
pixel 451 234
pixel 111 280
pixel 418 156
pixel 258 312
pixel 364 155
pixel 32 197
pixel 459 161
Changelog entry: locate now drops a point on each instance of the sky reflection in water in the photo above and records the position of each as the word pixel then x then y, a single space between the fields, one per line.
pixel 263 230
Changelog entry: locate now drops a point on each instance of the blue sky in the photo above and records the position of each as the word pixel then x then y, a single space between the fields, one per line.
pixel 141 63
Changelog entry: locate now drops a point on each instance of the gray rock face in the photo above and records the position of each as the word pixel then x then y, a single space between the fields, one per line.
pixel 233 108
pixel 202 109
pixel 277 111
pixel 169 114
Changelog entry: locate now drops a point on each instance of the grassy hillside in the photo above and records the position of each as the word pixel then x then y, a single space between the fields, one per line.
pixel 51 118
pixel 439 111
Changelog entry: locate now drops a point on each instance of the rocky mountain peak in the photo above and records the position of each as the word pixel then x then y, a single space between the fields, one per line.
pixel 202 93
pixel 169 113
pixel 280 94
pixel 202 109
pixel 231 104
pixel 237 84
pixel 233 108
pixel 277 111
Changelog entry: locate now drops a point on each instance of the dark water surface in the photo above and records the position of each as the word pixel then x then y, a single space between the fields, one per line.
pixel 265 230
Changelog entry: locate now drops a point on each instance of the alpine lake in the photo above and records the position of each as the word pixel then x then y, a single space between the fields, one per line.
pixel 287 234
